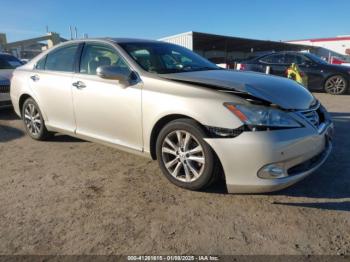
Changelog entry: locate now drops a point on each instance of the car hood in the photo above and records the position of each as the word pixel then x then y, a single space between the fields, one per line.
pixel 277 90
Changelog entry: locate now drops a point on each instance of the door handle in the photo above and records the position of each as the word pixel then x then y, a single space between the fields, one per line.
pixel 79 85
pixel 35 78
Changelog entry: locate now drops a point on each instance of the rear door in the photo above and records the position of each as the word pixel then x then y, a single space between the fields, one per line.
pixel 105 109
pixel 276 62
pixel 51 82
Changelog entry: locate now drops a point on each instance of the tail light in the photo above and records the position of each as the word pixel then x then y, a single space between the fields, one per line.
pixel 242 67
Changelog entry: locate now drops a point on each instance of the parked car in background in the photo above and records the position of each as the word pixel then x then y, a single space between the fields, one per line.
pixel 334 79
pixel 163 101
pixel 25 60
pixel 7 64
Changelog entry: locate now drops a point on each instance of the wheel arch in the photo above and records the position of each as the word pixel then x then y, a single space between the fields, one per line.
pixel 23 97
pixel 159 126
pixel 169 118
pixel 21 101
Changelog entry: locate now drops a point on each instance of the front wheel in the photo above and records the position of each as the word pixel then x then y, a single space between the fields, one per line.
pixel 336 85
pixel 184 157
pixel 33 120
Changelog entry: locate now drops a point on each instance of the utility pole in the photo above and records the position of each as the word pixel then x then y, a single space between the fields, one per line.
pixel 71 32
pixel 76 32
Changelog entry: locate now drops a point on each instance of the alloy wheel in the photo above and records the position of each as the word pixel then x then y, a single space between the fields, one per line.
pixel 183 156
pixel 335 85
pixel 32 119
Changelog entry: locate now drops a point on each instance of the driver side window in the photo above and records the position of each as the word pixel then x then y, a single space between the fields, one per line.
pixel 95 55
pixel 303 60
pixel 175 60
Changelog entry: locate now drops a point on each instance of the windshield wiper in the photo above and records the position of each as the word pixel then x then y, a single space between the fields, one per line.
pixel 207 68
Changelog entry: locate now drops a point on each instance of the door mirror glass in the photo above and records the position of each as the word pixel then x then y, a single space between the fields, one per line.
pixel 114 73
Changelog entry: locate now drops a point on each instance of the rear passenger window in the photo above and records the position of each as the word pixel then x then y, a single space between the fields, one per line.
pixel 62 59
pixel 273 59
pixel 40 65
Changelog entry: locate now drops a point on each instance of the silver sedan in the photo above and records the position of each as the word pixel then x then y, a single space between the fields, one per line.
pixel 262 133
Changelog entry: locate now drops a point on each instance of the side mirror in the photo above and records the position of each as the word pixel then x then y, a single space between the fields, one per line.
pixel 113 73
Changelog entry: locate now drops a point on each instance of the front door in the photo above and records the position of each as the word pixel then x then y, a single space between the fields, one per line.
pixel 105 109
pixel 313 72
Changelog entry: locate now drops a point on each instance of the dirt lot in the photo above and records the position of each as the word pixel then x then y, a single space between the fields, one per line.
pixel 68 196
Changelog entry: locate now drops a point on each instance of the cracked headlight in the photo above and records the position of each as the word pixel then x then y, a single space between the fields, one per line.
pixel 262 116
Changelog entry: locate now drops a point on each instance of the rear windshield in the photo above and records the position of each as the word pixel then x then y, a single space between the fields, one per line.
pixel 9 62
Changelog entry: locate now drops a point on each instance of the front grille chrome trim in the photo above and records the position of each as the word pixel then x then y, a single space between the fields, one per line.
pixel 315 116
pixel 4 88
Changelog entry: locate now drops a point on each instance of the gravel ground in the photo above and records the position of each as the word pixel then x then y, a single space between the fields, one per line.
pixel 68 196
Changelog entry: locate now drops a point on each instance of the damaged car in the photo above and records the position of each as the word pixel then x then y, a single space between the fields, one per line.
pixel 261 133
pixel 7 64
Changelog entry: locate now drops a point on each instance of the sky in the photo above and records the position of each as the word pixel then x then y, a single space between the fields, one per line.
pixel 153 19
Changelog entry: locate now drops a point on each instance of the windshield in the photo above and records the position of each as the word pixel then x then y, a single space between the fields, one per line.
pixel 9 62
pixel 164 58
pixel 316 58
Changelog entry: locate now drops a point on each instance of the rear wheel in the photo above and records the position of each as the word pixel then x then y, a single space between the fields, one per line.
pixel 336 85
pixel 184 157
pixel 33 120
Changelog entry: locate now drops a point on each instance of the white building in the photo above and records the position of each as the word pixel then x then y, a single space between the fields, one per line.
pixel 340 45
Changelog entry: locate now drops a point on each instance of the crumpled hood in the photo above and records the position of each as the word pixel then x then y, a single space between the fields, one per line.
pixel 277 90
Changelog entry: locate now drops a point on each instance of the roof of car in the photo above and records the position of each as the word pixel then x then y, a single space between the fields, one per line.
pixel 286 52
pixel 117 40
pixel 131 40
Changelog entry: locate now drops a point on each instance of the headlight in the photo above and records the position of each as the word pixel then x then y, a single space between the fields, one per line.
pixel 262 116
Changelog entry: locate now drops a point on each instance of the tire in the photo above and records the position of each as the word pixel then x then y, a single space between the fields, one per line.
pixel 194 170
pixel 336 85
pixel 33 120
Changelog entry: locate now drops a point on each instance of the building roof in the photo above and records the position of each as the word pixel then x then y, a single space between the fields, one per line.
pixel 233 43
pixel 326 39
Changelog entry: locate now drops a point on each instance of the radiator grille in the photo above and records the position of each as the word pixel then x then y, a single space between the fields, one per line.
pixel 315 115
pixel 312 116
pixel 4 88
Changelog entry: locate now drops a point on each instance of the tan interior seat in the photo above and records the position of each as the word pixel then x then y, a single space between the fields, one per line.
pixel 96 62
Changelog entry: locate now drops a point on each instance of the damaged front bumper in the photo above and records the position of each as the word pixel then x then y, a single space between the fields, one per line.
pixel 256 162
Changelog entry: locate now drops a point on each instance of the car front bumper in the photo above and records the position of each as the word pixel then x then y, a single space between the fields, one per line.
pixel 298 152
pixel 5 100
